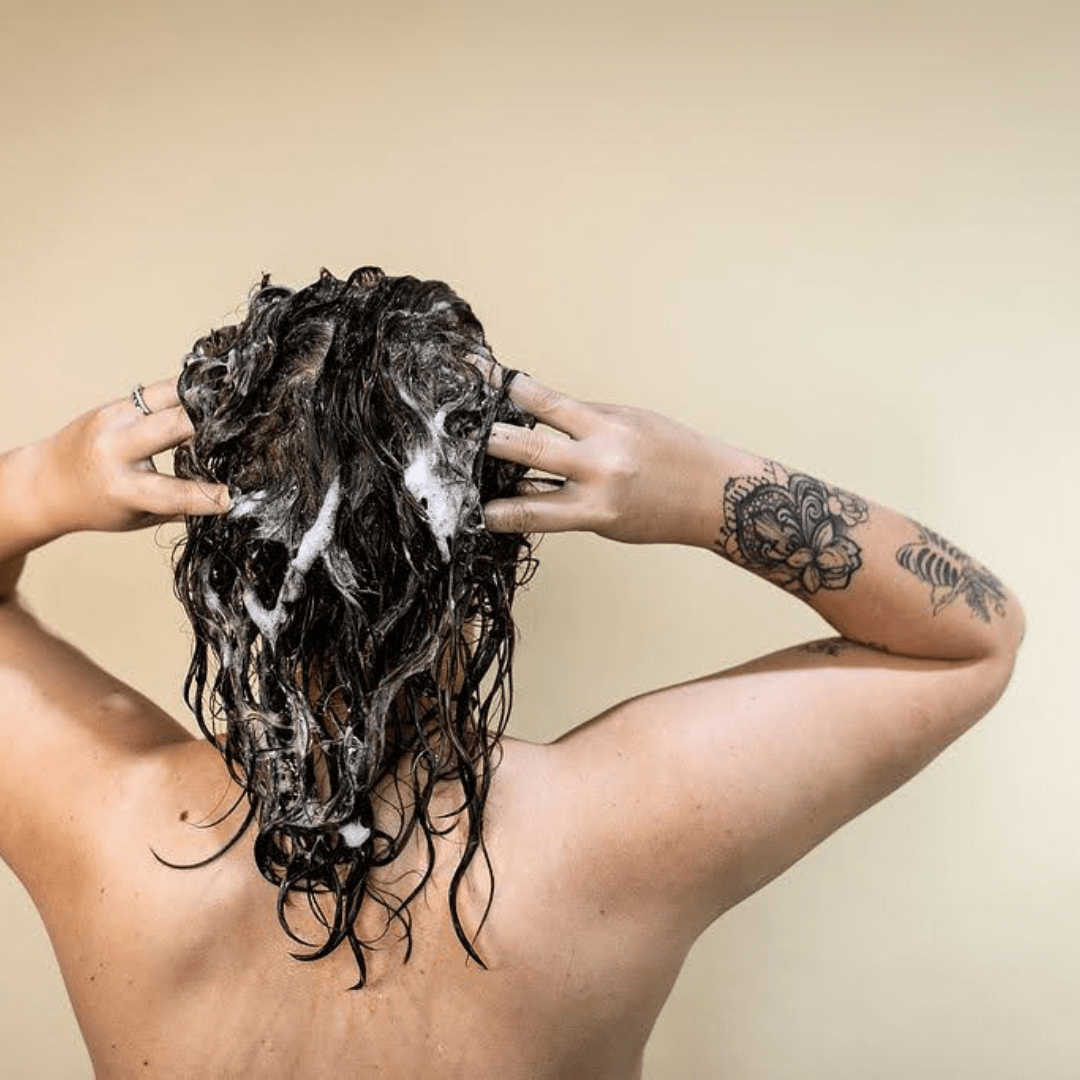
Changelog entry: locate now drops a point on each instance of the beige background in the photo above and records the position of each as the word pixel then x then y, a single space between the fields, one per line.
pixel 845 235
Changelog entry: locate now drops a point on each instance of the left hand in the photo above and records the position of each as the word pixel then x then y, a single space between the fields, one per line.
pixel 630 474
pixel 97 473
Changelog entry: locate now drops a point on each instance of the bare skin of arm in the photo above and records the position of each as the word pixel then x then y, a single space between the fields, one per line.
pixel 80 733
pixel 726 781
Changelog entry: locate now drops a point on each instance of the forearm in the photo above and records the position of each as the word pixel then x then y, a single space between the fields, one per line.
pixel 875 575
pixel 638 477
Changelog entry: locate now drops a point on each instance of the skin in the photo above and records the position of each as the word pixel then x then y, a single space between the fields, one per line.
pixel 721 783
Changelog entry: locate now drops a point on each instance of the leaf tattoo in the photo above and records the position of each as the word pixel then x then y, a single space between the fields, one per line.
pixel 951 573
pixel 792 529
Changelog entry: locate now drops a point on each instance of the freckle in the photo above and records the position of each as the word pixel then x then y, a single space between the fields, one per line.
pixel 92 978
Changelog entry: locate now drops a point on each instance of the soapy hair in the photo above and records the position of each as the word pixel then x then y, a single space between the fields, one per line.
pixel 351 614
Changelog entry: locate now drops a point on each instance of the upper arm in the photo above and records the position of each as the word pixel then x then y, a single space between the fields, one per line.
pixel 687 800
pixel 75 744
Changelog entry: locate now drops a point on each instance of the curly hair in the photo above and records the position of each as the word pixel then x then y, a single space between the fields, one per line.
pixel 351 614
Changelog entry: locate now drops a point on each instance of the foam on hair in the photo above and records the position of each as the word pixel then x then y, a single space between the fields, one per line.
pixel 330 605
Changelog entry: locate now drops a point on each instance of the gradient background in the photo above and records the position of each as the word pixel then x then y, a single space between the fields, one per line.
pixel 845 235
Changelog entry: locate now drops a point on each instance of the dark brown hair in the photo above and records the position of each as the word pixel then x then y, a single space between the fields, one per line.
pixel 330 605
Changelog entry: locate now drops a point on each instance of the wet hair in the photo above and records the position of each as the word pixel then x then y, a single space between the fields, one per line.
pixel 351 614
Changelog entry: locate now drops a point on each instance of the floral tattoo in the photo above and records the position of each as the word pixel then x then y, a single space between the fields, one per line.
pixel 792 529
pixel 951 573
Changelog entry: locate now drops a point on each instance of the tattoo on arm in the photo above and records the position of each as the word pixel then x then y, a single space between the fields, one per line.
pixel 838 646
pixel 951 574
pixel 792 529
pixel 826 647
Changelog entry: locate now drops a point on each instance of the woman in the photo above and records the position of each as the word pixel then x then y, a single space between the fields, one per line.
pixel 350 462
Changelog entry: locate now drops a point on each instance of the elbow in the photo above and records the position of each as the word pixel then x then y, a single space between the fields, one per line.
pixel 1003 654
pixel 997 624
pixel 999 646
pixel 1012 630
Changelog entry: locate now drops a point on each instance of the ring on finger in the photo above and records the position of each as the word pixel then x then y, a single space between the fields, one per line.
pixel 139 401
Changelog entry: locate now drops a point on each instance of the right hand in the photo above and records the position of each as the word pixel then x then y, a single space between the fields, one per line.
pixel 627 474
pixel 96 472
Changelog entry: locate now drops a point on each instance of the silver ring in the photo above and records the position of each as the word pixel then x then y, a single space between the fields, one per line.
pixel 139 401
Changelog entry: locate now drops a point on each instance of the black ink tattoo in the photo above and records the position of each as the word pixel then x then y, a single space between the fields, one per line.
pixel 950 574
pixel 827 647
pixel 792 530
pixel 839 646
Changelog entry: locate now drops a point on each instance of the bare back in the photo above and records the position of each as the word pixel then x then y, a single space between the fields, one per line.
pixel 187 971
pixel 612 850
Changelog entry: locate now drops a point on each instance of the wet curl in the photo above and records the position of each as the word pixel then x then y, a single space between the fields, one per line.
pixel 352 616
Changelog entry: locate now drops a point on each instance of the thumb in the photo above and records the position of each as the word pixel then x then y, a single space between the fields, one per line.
pixel 550 511
pixel 202 498
pixel 169 497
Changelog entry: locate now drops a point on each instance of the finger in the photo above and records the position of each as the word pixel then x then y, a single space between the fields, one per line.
pixel 553 512
pixel 167 497
pixel 555 409
pixel 493 372
pixel 534 447
pixel 161 395
pixel 538 486
pixel 157 432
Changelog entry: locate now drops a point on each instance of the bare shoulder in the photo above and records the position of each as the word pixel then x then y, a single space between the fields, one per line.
pixel 678 804
pixel 180 810
pixel 77 742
